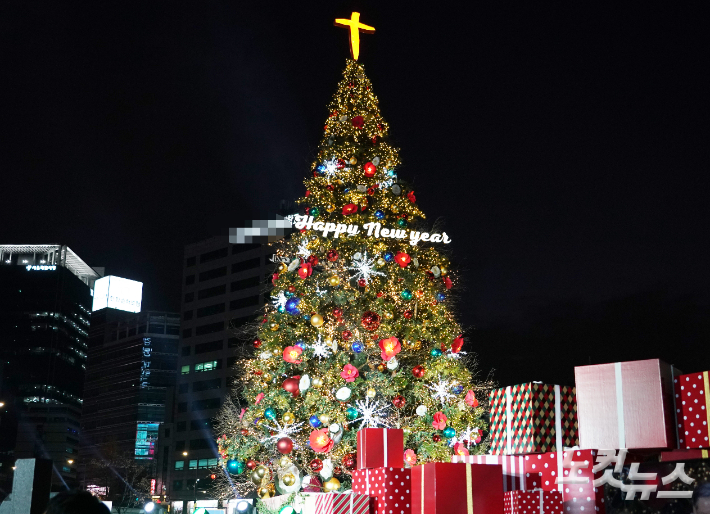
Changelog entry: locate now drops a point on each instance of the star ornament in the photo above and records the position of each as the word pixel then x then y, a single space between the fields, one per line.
pixel 364 267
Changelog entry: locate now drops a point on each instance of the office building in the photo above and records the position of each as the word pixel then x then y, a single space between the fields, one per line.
pixel 45 308
pixel 131 367
pixel 223 287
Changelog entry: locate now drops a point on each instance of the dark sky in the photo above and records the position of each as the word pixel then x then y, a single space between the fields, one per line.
pixel 566 147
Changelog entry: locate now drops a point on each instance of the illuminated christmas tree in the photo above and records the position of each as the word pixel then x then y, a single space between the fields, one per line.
pixel 360 331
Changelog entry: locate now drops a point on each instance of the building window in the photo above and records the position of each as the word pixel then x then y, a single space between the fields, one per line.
pixel 182 388
pixel 206 385
pixel 209 328
pixel 181 426
pixel 189 297
pixel 250 301
pixel 186 333
pixel 208 366
pixel 182 407
pixel 177 485
pixel 206 463
pixel 179 446
pixel 190 279
pixel 232 342
pixel 212 346
pixel 213 273
pixel 193 464
pixel 200 444
pixel 244 248
pixel 187 315
pixel 190 261
pixel 201 424
pixel 231 361
pixel 238 285
pixel 214 255
pixel 206 404
pixel 186 351
pixel 179 465
pixel 167 432
pixel 185 370
pixel 245 265
pixel 211 291
pixel 210 310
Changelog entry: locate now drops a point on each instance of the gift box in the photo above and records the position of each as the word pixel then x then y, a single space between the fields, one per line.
pixel 337 503
pixel 684 455
pixel 575 469
pixel 533 502
pixel 532 418
pixel 513 467
pixel 380 448
pixel 448 488
pixel 692 403
pixel 390 489
pixel 626 405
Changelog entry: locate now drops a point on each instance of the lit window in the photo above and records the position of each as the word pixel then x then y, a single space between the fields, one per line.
pixel 185 370
pixel 205 366
pixel 193 464
pixel 179 465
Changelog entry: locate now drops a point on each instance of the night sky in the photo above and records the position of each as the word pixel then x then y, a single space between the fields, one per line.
pixel 565 147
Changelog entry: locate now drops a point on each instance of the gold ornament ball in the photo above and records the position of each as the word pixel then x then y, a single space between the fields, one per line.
pixel 380 367
pixel 331 485
pixel 267 377
pixel 317 382
pixel 353 160
pixel 264 493
pixel 273 326
pixel 330 208
pixel 333 280
pixel 371 393
pixel 444 271
pixel 288 418
pixel 284 462
pixel 282 267
pixel 276 351
pixel 317 320
pixel 389 315
pixel 261 471
pixel 325 419
pixel 255 478
pixel 381 262
pixel 288 479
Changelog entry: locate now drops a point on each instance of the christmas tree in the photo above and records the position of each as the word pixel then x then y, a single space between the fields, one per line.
pixel 360 332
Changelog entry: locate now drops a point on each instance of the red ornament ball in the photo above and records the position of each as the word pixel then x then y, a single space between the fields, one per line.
pixel 436 438
pixel 291 289
pixel 251 464
pixel 380 294
pixel 291 385
pixel 408 314
pixel 370 170
pixel 399 401
pixel 358 122
pixel 337 312
pixel 284 445
pixel 347 335
pixel 316 465
pixel 258 372
pixel 244 432
pixel 332 255
pixel 371 191
pixel 313 260
pixel 349 461
pixel 257 343
pixel 370 320
pixel 362 282
pixel 418 371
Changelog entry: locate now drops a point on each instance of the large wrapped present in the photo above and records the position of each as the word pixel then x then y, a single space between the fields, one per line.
pixel 625 405
pixel 337 503
pixel 390 489
pixel 380 448
pixel 513 467
pixel 684 455
pixel 448 488
pixel 692 403
pixel 533 502
pixel 532 418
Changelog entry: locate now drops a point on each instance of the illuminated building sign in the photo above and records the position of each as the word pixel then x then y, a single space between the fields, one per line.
pixel 40 267
pixel 117 293
pixel 146 437
pixel 145 364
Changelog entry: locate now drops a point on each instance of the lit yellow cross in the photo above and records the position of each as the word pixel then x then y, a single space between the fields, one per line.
pixel 355 28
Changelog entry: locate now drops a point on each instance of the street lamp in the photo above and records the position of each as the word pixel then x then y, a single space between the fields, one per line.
pixel 195 487
pixel 149 507
pixel 70 461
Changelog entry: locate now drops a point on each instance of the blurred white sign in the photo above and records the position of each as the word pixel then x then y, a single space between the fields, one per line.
pixel 117 293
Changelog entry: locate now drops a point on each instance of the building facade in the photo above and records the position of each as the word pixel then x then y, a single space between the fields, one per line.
pixel 223 288
pixel 132 363
pixel 45 309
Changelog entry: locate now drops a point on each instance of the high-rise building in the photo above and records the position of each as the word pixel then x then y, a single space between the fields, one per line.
pixel 222 289
pixel 45 309
pixel 132 363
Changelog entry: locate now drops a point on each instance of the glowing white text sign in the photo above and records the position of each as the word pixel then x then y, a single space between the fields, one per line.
pixel 373 229
pixel 41 267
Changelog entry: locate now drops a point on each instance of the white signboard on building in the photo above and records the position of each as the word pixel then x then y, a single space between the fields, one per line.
pixel 117 293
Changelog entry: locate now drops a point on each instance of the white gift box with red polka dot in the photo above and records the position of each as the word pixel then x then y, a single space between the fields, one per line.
pixel 692 402
pixel 390 489
pixel 533 502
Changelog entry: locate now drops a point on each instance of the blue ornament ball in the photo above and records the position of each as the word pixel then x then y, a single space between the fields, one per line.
pixel 389 256
pixel 314 421
pixel 292 306
pixel 270 414
pixel 458 389
pixel 306 317
pixel 235 466
pixel 435 352
pixel 357 346
pixel 288 294
pixel 440 297
pixel 300 344
pixel 449 432
pixel 281 309
pixel 379 215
